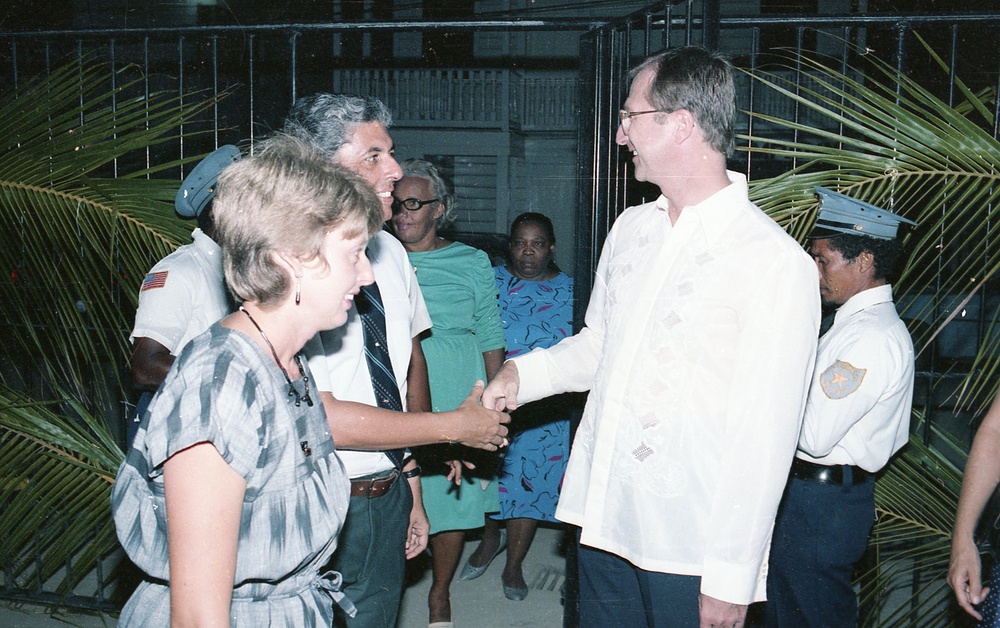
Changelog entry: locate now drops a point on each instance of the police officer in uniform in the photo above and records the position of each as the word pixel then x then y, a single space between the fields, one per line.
pixel 185 292
pixel 857 415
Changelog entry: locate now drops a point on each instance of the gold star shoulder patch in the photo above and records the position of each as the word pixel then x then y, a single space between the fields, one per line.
pixel 841 379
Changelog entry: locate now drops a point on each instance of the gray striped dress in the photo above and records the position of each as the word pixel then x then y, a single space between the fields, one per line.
pixel 225 390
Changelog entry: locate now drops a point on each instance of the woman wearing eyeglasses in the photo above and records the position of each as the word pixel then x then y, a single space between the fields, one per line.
pixel 465 344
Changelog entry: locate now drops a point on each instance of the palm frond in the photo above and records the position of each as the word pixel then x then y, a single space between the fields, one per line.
pixel 83 216
pixel 58 463
pixel 887 140
pixel 76 236
pixel 881 137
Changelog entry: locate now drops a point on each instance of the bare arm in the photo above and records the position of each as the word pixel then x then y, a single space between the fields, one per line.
pixel 418 390
pixel 982 474
pixel 204 497
pixel 493 361
pixel 150 363
pixel 360 426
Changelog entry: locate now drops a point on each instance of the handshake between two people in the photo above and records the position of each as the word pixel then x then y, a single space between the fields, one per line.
pixel 485 422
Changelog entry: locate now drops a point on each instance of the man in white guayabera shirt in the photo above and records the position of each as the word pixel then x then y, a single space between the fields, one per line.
pixel 698 350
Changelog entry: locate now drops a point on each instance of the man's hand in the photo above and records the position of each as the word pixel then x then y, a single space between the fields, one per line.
pixel 965 575
pixel 419 530
pixel 501 394
pixel 478 426
pixel 718 614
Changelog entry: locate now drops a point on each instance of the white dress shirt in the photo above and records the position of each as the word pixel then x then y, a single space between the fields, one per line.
pixel 858 411
pixel 698 350
pixel 337 356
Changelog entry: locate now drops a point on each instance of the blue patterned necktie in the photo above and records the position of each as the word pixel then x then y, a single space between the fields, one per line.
pixel 369 304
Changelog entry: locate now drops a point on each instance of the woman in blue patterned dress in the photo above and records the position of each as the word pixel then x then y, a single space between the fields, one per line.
pixel 232 495
pixel 536 305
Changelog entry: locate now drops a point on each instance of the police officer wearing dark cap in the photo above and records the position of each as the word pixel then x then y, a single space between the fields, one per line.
pixel 857 416
pixel 185 292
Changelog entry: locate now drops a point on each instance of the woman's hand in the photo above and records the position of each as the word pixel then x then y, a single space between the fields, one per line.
pixel 455 473
pixel 965 575
pixel 982 474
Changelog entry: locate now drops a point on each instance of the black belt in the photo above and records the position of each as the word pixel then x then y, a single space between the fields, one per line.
pixel 838 475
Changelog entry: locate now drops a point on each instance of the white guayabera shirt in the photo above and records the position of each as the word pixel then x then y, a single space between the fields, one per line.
pixel 698 352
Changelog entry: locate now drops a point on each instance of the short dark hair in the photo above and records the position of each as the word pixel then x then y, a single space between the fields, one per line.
pixel 700 81
pixel 886 254
pixel 534 218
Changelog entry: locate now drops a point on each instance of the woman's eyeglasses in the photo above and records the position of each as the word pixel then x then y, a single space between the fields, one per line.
pixel 411 204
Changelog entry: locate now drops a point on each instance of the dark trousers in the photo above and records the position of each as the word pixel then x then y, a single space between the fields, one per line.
pixel 820 534
pixel 614 592
pixel 371 556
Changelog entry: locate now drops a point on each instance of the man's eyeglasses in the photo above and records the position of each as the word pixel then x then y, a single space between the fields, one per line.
pixel 411 204
pixel 626 116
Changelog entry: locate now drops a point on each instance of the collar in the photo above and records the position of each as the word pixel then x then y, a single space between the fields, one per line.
pixel 719 210
pixel 205 243
pixel 864 299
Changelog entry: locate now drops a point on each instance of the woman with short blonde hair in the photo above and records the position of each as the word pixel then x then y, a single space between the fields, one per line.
pixel 232 495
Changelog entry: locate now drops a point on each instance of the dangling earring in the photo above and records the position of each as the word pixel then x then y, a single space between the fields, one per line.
pixel 298 290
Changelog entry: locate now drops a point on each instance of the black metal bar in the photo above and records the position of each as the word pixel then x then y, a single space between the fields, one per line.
pixel 570 24
pixel 215 90
pixel 180 93
pixel 711 12
pixel 250 69
pixel 754 51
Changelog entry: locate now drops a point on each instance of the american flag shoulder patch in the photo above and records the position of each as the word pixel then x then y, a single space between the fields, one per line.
pixel 154 280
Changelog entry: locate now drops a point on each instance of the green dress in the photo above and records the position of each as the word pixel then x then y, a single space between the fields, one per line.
pixel 461 295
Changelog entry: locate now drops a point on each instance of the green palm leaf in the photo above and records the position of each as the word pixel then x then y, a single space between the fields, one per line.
pixel 58 463
pixel 76 236
pixel 883 138
pixel 888 141
pixel 82 218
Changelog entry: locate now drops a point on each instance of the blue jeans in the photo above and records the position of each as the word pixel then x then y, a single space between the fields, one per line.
pixel 371 556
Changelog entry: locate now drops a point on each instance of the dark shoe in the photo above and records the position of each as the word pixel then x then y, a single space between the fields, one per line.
pixel 471 572
pixel 513 593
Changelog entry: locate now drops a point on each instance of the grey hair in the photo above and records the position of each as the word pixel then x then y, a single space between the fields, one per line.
pixel 439 188
pixel 284 199
pixel 327 121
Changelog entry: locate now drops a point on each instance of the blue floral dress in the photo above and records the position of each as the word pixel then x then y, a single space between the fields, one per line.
pixel 535 314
